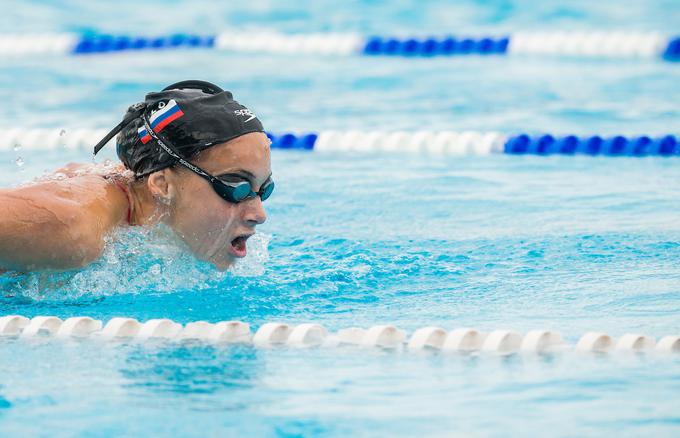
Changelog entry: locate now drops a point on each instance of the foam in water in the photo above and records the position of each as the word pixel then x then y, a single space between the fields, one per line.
pixel 135 260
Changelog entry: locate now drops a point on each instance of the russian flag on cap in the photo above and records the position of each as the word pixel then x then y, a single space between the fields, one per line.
pixel 167 113
pixel 144 135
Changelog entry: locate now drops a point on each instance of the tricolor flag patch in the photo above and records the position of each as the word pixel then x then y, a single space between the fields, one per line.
pixel 166 114
pixel 144 135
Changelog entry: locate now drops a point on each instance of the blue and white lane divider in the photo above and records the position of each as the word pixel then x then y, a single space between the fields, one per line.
pixel 308 335
pixel 571 44
pixel 442 142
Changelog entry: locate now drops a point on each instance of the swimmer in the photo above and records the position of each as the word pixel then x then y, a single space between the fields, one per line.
pixel 192 158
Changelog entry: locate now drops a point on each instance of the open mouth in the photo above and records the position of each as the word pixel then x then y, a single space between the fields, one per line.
pixel 238 245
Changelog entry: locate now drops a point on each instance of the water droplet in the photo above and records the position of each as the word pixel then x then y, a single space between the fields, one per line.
pixel 61 141
pixel 20 163
pixel 16 147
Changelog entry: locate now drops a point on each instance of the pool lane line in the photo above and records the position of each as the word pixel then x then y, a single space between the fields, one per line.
pixel 650 45
pixel 426 142
pixel 314 335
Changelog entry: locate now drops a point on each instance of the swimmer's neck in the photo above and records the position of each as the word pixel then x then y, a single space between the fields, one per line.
pixel 145 208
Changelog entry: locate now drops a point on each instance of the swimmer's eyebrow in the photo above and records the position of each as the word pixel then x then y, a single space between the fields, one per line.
pixel 242 173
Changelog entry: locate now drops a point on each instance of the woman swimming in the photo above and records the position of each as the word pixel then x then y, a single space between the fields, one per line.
pixel 194 159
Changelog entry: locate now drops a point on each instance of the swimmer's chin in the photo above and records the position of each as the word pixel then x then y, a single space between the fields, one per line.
pixel 222 264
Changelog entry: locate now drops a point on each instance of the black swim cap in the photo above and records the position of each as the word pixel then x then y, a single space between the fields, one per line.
pixel 190 116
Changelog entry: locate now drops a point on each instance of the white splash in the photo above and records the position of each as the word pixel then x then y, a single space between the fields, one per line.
pixel 149 260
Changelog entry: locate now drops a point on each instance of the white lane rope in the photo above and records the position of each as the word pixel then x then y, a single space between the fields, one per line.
pixel 314 335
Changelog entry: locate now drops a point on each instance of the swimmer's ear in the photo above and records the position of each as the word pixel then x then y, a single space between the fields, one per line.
pixel 160 187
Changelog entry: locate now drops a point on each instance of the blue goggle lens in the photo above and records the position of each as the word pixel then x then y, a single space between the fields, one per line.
pixel 237 192
pixel 266 190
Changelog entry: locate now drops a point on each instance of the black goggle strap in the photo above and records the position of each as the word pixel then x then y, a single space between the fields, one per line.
pixel 136 110
pixel 174 154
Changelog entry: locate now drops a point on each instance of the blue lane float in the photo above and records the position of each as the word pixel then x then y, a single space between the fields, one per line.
pixel 593 145
pixel 292 141
pixel 110 43
pixel 672 51
pixel 448 46
pixel 569 44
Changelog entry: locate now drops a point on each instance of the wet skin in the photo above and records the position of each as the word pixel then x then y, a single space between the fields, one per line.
pixel 61 224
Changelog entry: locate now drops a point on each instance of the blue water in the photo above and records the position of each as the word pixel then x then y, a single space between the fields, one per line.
pixel 568 243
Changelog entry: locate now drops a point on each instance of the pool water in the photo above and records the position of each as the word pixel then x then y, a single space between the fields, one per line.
pixel 567 243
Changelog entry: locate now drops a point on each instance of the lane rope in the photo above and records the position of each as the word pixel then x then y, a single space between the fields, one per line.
pixel 434 142
pixel 566 44
pixel 314 335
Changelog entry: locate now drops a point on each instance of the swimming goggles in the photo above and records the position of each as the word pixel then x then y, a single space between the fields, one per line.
pixel 233 192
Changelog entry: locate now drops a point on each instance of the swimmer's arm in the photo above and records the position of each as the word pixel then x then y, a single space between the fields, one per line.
pixel 40 231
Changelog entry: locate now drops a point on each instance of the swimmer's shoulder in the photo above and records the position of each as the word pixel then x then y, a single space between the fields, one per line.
pixel 78 185
pixel 60 222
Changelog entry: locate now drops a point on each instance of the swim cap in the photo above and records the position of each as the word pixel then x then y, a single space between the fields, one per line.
pixel 189 116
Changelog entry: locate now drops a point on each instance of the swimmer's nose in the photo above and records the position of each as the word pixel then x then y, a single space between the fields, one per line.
pixel 254 211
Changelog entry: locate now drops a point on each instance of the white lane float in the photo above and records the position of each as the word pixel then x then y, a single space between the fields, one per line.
pixel 271 333
pixel 196 330
pixel 385 336
pixel 229 332
pixel 502 342
pixel 162 328
pixel 352 335
pixel 635 342
pixel 427 337
pixel 669 344
pixel 538 341
pixel 121 328
pixel 79 326
pixel 595 342
pixel 12 325
pixel 307 335
pixel 464 339
pixel 42 326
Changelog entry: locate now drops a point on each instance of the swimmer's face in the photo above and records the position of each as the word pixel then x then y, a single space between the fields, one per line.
pixel 215 229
